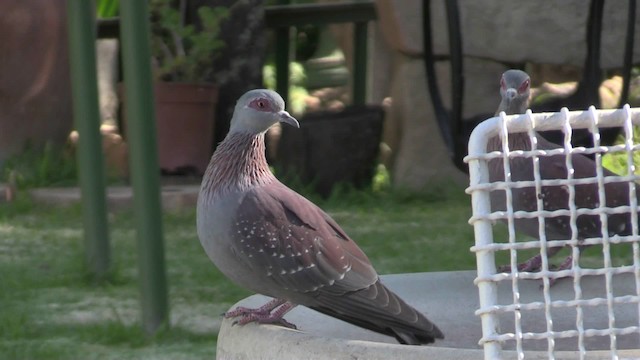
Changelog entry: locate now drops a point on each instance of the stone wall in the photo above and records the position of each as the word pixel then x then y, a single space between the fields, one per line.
pixel 495 33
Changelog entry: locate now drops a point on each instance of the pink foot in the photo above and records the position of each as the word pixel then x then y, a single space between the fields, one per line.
pixel 270 313
pixel 566 264
pixel 530 265
pixel 535 263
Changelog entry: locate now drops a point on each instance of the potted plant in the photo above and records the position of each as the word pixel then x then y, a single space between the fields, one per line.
pixel 182 57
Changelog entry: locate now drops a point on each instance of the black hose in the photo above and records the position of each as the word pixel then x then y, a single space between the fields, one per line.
pixel 449 122
pixel 628 53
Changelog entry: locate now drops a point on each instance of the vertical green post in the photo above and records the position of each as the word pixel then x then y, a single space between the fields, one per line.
pixel 360 63
pixel 282 62
pixel 91 173
pixel 134 25
pixel 282 48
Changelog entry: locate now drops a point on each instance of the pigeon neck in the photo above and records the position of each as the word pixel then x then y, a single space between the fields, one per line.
pixel 513 106
pixel 517 141
pixel 238 164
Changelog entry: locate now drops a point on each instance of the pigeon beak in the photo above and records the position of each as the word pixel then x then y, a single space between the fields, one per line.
pixel 288 119
pixel 511 93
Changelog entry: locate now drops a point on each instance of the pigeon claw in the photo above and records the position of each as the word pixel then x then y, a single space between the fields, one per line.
pixel 535 264
pixel 530 265
pixel 270 313
pixel 243 311
pixel 272 319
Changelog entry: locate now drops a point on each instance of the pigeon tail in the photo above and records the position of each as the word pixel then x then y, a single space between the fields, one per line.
pixel 378 309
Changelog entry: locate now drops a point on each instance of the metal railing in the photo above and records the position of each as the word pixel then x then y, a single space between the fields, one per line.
pixel 454 128
pixel 282 18
pixel 522 315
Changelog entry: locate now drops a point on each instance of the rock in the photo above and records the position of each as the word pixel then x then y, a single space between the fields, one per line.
pixel 380 67
pixel 407 117
pixel 107 61
pixel 610 92
pixel 420 155
pixel 482 81
pixel 114 149
pixel 401 25
pixel 634 92
pixel 312 103
pixel 515 31
pixel 116 155
pixel 553 73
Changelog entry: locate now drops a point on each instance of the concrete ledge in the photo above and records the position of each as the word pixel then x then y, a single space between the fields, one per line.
pixel 448 298
pixel 174 197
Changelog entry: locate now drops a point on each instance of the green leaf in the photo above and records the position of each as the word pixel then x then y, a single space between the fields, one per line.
pixel 183 52
pixel 108 8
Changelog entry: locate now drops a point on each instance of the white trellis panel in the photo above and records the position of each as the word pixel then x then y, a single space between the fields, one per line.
pixel 488 243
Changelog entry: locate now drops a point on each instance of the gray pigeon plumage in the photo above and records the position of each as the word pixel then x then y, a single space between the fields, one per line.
pixel 271 240
pixel 514 90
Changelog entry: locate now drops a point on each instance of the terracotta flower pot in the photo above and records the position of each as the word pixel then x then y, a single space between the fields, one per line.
pixel 185 118
pixel 185 122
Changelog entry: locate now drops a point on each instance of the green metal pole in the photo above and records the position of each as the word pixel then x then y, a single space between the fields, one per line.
pixel 283 48
pixel 282 62
pixel 91 173
pixel 360 63
pixel 143 158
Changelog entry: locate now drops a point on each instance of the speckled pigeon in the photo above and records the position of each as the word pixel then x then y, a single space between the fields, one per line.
pixel 271 240
pixel 514 89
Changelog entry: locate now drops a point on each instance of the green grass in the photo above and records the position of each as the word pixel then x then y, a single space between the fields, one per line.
pixel 50 309
pixel 38 167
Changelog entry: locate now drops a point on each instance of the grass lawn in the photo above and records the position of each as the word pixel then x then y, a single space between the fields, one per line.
pixel 50 309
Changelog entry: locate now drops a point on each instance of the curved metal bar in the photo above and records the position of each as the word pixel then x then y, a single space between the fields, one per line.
pixel 449 122
pixel 592 71
pixel 628 53
pixel 457 79
pixel 442 116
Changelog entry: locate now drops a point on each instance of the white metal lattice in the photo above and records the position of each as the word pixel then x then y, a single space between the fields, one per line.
pixel 590 304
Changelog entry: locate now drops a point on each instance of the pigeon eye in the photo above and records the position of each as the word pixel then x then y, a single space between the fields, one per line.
pixel 503 85
pixel 260 105
pixel 524 86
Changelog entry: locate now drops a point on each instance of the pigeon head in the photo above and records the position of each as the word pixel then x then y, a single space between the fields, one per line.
pixel 257 110
pixel 515 87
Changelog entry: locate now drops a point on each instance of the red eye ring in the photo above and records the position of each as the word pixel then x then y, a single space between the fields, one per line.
pixel 524 86
pixel 503 85
pixel 260 104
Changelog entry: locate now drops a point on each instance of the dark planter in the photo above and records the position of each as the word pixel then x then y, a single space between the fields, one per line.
pixel 332 148
pixel 185 118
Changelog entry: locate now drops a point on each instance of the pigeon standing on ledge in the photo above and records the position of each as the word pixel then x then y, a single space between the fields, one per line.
pixel 514 89
pixel 271 240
